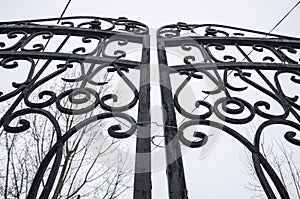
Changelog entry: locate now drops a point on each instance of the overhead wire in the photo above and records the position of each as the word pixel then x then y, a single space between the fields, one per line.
pixel 285 16
pixel 58 21
pixel 279 22
pixel 63 12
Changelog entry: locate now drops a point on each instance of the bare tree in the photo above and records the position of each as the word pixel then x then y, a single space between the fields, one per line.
pixel 283 161
pixel 85 171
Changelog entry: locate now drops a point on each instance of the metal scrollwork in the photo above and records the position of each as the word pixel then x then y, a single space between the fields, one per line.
pixel 87 39
pixel 232 101
pixel 12 35
pixel 291 50
pixel 292 100
pixel 36 47
pixel 117 53
pixel 115 97
pixel 76 90
pixel 213 32
pixel 227 58
pixel 11 63
pixel 198 103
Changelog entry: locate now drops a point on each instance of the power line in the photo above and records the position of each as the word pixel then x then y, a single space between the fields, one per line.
pixel 65 9
pixel 61 16
pixel 287 14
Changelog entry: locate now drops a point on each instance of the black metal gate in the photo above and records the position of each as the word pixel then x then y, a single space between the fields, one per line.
pixel 27 42
pixel 103 31
pixel 211 60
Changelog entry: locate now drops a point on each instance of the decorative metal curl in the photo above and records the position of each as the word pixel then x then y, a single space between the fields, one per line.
pixel 87 39
pixel 261 47
pixel 174 30
pixel 286 57
pixel 38 46
pixel 61 68
pixel 96 24
pixel 117 53
pixel 12 35
pixel 5 63
pixel 291 100
pixel 209 31
pixel 188 47
pixel 241 106
pixel 132 26
pixel 228 85
pixel 114 97
pixel 72 94
pixel 198 103
pixel 227 58
pixel 279 98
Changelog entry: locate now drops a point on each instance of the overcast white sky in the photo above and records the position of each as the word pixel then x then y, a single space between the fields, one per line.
pixel 253 14
pixel 256 14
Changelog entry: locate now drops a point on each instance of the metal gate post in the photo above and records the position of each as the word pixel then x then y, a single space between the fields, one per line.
pixel 175 173
pixel 142 182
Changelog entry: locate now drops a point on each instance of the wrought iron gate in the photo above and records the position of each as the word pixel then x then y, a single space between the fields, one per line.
pixel 213 52
pixel 202 45
pixel 103 31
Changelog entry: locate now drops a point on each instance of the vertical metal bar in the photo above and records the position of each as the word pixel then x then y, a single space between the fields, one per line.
pixel 142 178
pixel 175 171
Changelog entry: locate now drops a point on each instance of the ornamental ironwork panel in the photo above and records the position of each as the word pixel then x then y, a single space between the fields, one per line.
pixel 83 71
pixel 80 54
pixel 239 75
